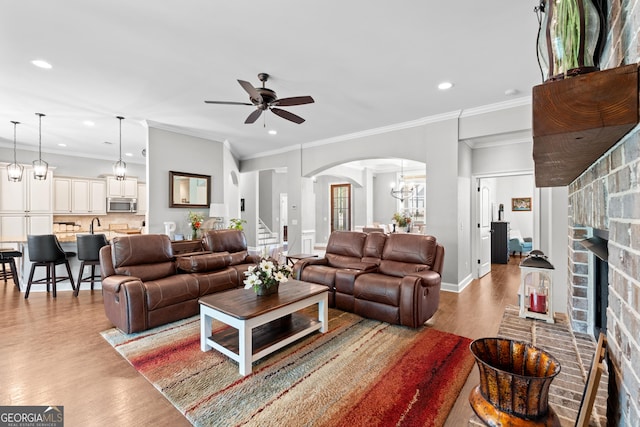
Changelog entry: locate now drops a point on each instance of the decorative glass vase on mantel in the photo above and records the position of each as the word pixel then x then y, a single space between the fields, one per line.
pixel 570 37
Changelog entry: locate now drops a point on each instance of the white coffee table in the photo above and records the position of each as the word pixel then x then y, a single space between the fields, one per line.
pixel 261 324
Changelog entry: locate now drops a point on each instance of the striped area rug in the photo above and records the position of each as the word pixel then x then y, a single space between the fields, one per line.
pixel 361 372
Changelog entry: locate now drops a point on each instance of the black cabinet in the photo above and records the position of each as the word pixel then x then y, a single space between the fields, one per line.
pixel 499 242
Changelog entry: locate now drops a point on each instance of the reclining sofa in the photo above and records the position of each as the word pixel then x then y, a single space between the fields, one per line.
pixel 394 278
pixel 144 285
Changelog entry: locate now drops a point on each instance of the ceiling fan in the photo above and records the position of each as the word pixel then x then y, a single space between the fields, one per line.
pixel 264 98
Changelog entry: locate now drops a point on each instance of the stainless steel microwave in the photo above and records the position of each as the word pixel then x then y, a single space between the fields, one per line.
pixel 122 204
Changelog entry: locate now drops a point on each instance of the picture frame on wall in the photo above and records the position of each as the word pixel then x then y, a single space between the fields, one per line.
pixel 521 204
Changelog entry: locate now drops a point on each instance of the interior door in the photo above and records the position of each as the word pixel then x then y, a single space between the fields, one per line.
pixel 340 207
pixel 484 217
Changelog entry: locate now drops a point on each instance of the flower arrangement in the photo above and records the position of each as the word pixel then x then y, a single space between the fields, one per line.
pixel 237 223
pixel 265 276
pixel 402 220
pixel 195 220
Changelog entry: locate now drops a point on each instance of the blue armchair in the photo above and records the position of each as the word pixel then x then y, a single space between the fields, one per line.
pixel 518 244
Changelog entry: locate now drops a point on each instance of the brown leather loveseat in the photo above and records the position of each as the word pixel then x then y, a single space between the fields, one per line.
pixel 145 286
pixel 395 278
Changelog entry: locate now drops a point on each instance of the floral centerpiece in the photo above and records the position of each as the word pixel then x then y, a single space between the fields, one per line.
pixel 195 220
pixel 402 220
pixel 265 277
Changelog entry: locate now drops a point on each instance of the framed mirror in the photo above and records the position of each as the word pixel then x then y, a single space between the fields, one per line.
pixel 189 190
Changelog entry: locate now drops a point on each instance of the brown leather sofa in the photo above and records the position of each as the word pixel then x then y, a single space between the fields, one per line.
pixel 145 286
pixel 395 278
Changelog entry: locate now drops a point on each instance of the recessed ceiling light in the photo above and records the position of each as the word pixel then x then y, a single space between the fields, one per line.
pixel 108 143
pixel 42 64
pixel 62 145
pixel 511 92
pixel 128 154
pixel 88 123
pixel 445 85
pixel 273 132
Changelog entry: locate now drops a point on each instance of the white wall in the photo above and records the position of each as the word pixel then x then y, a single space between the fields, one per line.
pixel 170 151
pixel 514 187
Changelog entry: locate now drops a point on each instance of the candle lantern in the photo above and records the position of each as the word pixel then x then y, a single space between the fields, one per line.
pixel 536 287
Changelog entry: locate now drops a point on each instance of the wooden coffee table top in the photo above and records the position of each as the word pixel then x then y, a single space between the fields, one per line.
pixel 245 304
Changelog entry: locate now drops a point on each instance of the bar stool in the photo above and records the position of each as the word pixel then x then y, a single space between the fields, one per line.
pixel 88 252
pixel 45 251
pixel 7 257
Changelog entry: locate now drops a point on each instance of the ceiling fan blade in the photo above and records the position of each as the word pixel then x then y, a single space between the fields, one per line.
pixel 295 100
pixel 253 93
pixel 253 116
pixel 287 115
pixel 227 102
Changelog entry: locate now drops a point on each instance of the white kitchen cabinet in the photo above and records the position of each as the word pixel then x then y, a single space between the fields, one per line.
pixel 97 197
pixel 79 196
pixel 27 196
pixel 125 188
pixel 61 195
pixel 16 227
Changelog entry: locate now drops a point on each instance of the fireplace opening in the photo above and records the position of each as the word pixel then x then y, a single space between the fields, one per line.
pixel 599 280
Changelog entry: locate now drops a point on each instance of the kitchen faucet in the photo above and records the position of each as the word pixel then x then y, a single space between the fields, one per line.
pixel 91 226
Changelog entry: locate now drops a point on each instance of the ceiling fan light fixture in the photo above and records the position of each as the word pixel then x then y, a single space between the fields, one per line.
pixel 120 167
pixel 14 170
pixel 40 167
pixel 263 98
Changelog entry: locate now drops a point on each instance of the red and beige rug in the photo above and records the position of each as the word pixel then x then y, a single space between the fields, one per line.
pixel 361 372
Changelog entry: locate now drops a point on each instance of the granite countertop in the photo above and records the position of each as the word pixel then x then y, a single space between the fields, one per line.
pixel 70 236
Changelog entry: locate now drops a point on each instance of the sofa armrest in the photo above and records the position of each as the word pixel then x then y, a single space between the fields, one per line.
pixel 301 264
pixel 124 303
pixel 113 283
pixel 419 298
pixel 252 259
pixel 428 278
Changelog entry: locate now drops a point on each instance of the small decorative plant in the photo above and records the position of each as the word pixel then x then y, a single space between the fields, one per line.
pixel 402 220
pixel 266 276
pixel 237 223
pixel 195 220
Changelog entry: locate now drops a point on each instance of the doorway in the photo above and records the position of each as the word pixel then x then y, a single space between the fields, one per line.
pixel 492 191
pixel 340 207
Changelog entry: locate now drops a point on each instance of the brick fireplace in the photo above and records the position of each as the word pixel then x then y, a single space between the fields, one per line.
pixel 607 197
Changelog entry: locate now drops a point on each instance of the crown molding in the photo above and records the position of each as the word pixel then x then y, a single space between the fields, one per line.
pixel 498 106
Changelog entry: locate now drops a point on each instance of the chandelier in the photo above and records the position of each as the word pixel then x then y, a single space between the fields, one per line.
pixel 120 167
pixel 14 170
pixel 403 191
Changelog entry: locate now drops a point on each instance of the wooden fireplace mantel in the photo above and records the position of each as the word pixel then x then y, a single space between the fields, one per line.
pixel 576 120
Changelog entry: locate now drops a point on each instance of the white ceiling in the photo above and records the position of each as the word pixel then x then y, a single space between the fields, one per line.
pixel 367 64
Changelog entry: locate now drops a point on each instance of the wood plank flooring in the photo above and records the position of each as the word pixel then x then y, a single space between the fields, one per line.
pixel 51 353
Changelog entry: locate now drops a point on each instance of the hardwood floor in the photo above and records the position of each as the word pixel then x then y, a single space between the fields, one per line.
pixel 51 353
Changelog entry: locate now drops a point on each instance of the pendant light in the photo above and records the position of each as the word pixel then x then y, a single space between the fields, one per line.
pixel 403 191
pixel 14 170
pixel 120 167
pixel 40 167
